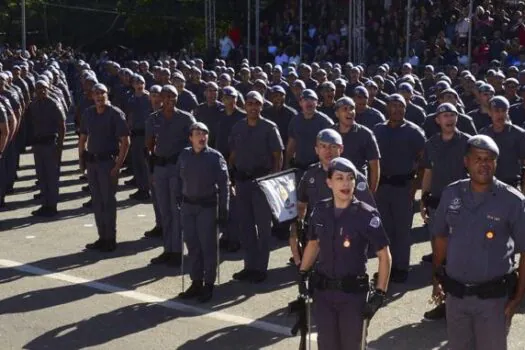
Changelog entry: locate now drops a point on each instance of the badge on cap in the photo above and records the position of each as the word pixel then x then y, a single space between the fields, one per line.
pixel 489 235
pixel 375 222
pixel 347 243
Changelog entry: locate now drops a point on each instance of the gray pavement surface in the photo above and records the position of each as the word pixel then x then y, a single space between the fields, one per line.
pixel 55 295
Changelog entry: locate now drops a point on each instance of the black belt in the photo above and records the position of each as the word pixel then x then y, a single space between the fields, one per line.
pixel 44 140
pixel 349 284
pixel 138 132
pixel 397 180
pixel 252 175
pixel 207 202
pixel 163 161
pixel 497 288
pixel 98 157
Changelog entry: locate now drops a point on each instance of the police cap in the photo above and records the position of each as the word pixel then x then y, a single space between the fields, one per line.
pixel 299 83
pixel 486 88
pixel 372 84
pixel 484 142
pixel 260 82
pixel 343 165
pixel 42 83
pixel 309 94
pixel 344 101
pixel 155 89
pixel 212 85
pixel 229 91
pixel 199 126
pixel 397 98
pixel 499 102
pixel 178 75
pixel 255 95
pixel 340 82
pixel 170 89
pixel 361 91
pixel 446 108
pixel 512 81
pixel 328 85
pixel 405 87
pixel 99 87
pixel 330 136
pixel 278 89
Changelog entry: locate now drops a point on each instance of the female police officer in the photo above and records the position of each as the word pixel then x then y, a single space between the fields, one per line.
pixel 341 227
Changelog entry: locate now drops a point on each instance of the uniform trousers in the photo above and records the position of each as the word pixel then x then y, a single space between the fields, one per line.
pixel 395 206
pixel 164 182
pixel 200 234
pixel 255 222
pixel 47 166
pixel 103 188
pixel 339 319
pixel 476 324
pixel 138 162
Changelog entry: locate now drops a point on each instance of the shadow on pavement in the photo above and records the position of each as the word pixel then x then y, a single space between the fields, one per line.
pixel 424 335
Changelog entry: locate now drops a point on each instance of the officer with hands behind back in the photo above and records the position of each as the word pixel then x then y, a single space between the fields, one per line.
pixel 484 217
pixel 340 230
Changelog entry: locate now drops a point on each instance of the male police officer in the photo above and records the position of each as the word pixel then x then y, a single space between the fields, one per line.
pixel 208 111
pixel 484 217
pixel 4 139
pixel 360 144
pixel 340 230
pixel 47 122
pixel 202 176
pixel 302 132
pixel 313 188
pixel 401 144
pixel 256 151
pixel 511 143
pixel 443 164
pixel 104 130
pixel 366 115
pixel 167 133
pixel 139 108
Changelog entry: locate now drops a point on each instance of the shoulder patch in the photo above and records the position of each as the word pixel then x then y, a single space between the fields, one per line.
pixel 361 186
pixel 375 222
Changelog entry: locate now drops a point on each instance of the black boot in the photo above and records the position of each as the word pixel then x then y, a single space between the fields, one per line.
pixel 175 259
pixel 161 259
pixel 206 293
pixel 192 292
pixel 140 195
pixel 108 246
pixel 154 232
pixel 95 245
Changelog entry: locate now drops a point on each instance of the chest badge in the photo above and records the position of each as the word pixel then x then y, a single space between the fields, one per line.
pixel 455 204
pixel 312 180
pixel 489 235
pixel 346 242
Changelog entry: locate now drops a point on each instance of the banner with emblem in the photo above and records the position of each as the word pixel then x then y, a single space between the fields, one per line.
pixel 280 192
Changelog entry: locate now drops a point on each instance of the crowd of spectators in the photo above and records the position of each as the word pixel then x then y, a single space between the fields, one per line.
pixel 438 32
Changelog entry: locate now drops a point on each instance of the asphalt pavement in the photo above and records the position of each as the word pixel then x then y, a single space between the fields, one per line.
pixel 56 295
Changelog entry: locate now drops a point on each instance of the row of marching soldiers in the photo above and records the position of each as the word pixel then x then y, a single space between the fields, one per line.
pixel 358 169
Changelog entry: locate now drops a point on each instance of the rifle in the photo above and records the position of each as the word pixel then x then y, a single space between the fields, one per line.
pixel 299 306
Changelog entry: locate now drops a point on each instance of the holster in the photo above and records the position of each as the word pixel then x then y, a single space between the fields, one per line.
pixel 349 284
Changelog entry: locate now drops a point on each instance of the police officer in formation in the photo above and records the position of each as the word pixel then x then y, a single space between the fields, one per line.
pixel 401 145
pixel 167 133
pixel 339 232
pixel 46 119
pixel 5 133
pixel 443 164
pixel 102 147
pixel 255 151
pixel 482 216
pixel 202 185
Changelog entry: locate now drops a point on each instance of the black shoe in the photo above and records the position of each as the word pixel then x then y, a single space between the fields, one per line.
pixel 175 259
pixel 257 276
pixel 37 196
pixel 427 258
pixel 130 182
pixel 10 190
pixel 437 313
pixel 154 232
pixel 206 293
pixel 161 259
pixel 95 245
pixel 242 275
pixel 140 195
pixel 108 246
pixel 42 211
pixel 233 247
pixel 82 177
pixel 398 276
pixel 85 188
pixel 88 204
pixel 193 291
